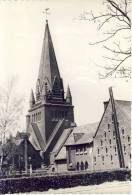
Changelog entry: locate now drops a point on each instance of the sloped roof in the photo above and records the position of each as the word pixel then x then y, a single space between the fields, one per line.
pixel 62 139
pixel 38 135
pixel 61 154
pixel 124 109
pixel 88 130
pixel 125 106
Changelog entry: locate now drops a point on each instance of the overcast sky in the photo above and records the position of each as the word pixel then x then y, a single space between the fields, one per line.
pixel 22 26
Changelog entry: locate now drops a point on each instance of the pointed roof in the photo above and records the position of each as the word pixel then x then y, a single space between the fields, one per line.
pixel 68 94
pixel 32 98
pixel 48 64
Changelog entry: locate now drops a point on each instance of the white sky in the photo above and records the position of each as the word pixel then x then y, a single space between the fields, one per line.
pixel 21 33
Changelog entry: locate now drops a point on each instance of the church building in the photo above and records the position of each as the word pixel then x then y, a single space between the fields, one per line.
pixel 50 112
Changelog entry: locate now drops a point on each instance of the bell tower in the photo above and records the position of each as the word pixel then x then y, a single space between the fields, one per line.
pixel 50 111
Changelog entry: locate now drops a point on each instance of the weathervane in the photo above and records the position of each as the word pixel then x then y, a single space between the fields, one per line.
pixel 46 13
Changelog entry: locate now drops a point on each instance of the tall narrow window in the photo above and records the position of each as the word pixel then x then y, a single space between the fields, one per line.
pixel 86 165
pixel 94 158
pixel 101 142
pixel 98 151
pixel 124 148
pixel 105 134
pixel 111 157
pixel 102 158
pixel 106 150
pixel 108 126
pixel 78 165
pixel 115 148
pixel 110 141
pixel 128 139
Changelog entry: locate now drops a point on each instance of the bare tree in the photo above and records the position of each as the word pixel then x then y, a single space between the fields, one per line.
pixel 115 24
pixel 11 107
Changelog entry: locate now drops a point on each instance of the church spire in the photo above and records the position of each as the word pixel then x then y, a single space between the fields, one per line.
pixel 48 69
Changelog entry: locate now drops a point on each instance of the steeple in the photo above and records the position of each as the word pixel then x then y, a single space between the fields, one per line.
pixel 48 69
pixel 32 99
pixel 50 112
pixel 68 96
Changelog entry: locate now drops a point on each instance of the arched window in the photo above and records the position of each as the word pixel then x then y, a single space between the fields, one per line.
pixel 86 165
pixel 78 166
pixel 82 166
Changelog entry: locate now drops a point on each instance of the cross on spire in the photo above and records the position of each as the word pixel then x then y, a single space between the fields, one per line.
pixel 46 13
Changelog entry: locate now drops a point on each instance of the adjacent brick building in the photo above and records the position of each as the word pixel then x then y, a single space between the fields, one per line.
pixel 99 146
pixel 112 143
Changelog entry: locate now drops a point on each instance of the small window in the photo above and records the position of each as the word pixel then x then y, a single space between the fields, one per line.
pixel 78 165
pixel 82 166
pixel 110 141
pixel 111 157
pixel 101 142
pixel 122 131
pixel 124 148
pixel 106 150
pixel 86 165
